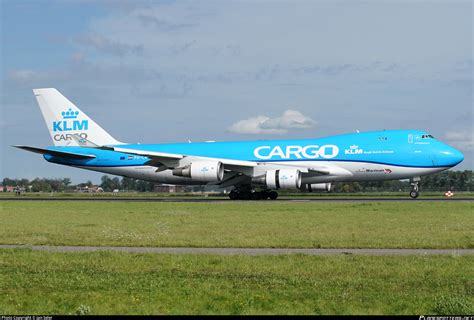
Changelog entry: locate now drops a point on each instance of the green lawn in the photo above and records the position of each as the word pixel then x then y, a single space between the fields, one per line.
pixel 240 224
pixel 123 283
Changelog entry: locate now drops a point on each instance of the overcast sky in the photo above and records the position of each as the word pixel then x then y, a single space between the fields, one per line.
pixel 169 71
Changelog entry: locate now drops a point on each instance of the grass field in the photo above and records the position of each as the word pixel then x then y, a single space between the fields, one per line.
pixel 34 282
pixel 240 224
pixel 121 283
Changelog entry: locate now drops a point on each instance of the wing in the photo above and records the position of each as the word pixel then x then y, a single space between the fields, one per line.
pixel 172 160
pixel 161 160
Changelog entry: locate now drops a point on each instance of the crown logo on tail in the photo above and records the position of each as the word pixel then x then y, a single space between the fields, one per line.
pixel 70 114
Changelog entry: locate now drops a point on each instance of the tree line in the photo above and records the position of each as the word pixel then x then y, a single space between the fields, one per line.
pixel 443 181
pixel 446 180
pixel 64 185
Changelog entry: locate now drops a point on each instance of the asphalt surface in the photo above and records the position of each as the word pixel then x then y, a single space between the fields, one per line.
pixel 252 251
pixel 203 199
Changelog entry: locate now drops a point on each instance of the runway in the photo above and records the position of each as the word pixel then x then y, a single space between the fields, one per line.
pixel 203 199
pixel 251 251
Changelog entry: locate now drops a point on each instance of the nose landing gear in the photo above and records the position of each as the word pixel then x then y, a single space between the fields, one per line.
pixel 414 193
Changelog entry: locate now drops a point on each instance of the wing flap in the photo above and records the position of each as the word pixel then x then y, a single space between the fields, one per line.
pixel 150 154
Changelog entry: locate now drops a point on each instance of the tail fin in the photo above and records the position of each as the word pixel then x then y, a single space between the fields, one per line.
pixel 64 119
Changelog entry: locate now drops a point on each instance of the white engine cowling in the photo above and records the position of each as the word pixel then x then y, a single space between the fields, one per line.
pixel 283 179
pixel 208 171
pixel 320 187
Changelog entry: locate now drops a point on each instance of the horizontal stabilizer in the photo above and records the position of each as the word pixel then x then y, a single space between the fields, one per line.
pixel 56 153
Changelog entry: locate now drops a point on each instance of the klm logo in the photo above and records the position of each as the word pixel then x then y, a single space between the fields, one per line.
pixel 354 149
pixel 70 122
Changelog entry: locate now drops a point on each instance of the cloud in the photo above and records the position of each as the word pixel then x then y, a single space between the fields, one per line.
pixel 290 119
pixel 106 45
pixel 462 138
pixel 25 75
pixel 152 20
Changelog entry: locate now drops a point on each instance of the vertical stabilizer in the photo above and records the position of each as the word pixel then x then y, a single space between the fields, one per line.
pixel 64 120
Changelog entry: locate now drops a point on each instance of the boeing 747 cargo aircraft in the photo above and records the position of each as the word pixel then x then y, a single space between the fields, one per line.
pixel 254 169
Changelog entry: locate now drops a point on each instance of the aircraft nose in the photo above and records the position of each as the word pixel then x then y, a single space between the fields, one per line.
pixel 458 157
pixel 450 156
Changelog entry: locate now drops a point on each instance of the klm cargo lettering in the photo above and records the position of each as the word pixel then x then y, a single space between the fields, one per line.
pixel 296 152
pixel 69 123
pixel 75 125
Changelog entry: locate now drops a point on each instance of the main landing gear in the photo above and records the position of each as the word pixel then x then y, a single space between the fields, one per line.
pixel 252 195
pixel 414 193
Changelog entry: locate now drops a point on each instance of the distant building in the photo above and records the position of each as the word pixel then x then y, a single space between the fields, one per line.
pixel 168 188
pixel 198 189
pixel 91 189
pixel 96 189
pixel 1 188
pixel 16 189
pixel 82 189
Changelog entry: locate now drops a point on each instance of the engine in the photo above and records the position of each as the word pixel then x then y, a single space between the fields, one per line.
pixel 319 187
pixel 208 171
pixel 280 179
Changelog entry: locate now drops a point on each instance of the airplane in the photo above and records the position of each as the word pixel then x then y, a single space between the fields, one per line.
pixel 253 169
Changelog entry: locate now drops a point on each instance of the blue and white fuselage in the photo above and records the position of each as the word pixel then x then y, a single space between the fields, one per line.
pixel 269 164
pixel 379 155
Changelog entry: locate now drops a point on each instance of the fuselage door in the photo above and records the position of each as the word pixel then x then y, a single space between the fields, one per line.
pixel 434 160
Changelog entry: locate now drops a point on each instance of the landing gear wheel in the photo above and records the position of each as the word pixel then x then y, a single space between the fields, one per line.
pixel 245 196
pixel 273 195
pixel 256 196
pixel 233 195
pixel 414 194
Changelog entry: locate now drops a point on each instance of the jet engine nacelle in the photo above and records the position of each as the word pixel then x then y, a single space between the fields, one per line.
pixel 320 187
pixel 208 171
pixel 280 179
